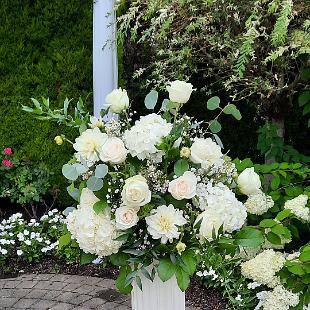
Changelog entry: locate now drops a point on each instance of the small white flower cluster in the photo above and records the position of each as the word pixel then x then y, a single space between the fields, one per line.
pixel 208 273
pixel 263 267
pixel 23 238
pixel 298 207
pixel 142 138
pixel 259 203
pixel 277 299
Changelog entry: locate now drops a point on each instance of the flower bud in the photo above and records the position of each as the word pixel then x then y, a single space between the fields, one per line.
pixel 180 247
pixel 59 140
pixel 185 152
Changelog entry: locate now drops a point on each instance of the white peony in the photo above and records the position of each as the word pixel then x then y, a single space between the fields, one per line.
pixel 180 91
pixel 95 233
pixel 205 152
pixel 113 151
pixel 89 145
pixel 136 192
pixel 277 299
pixel 259 203
pixel 221 208
pixel 298 207
pixel 184 187
pixel 163 223
pixel 263 268
pixel 126 217
pixel 142 138
pixel 249 182
pixel 117 101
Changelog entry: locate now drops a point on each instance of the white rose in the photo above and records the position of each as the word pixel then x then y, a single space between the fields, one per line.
pixel 249 182
pixel 126 217
pixel 184 187
pixel 113 151
pixel 136 192
pixel 117 101
pixel 180 91
pixel 205 152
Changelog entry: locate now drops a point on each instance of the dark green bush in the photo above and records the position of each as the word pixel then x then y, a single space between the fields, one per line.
pixel 46 50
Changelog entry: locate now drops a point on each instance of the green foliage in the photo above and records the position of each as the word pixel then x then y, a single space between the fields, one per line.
pixel 46 49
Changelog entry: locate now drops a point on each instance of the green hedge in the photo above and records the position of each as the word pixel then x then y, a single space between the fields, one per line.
pixel 45 50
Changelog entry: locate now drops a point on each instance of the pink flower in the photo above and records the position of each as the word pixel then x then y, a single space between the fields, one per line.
pixel 7 163
pixel 7 151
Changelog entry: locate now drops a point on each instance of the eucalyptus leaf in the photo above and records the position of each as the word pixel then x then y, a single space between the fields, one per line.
pixel 94 184
pixel 70 172
pixel 215 126
pixel 151 99
pixel 101 171
pixel 213 103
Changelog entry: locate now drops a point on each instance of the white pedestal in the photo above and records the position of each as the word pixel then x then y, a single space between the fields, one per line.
pixel 157 295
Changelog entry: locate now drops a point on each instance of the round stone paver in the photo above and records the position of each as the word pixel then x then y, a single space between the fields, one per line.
pixel 61 292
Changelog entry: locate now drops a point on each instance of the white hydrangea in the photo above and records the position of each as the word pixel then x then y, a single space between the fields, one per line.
pixel 259 203
pixel 221 207
pixel 298 207
pixel 142 138
pixel 95 233
pixel 277 299
pixel 89 145
pixel 263 267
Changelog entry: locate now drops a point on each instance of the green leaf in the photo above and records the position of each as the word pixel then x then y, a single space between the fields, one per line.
pixel 70 172
pixel 119 259
pixel 249 237
pixel 99 206
pixel 273 238
pixel 101 171
pixel 139 282
pixel 151 99
pixel 296 269
pixel 281 231
pixel 232 110
pixel 213 103
pixel 183 278
pixel 283 214
pixel 267 223
pixel 165 269
pixel 189 260
pixel 146 274
pixel 275 183
pixel 215 126
pixel 94 184
pixel 180 167
pixel 64 240
pixel 304 98
pixel 304 257
pixel 87 258
pixel 120 281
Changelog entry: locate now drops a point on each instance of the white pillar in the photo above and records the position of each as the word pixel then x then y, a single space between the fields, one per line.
pixel 104 54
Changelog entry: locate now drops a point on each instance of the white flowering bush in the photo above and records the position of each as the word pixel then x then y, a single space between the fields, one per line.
pixel 157 195
pixel 22 240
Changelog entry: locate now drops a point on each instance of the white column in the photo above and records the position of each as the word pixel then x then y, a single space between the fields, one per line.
pixel 104 54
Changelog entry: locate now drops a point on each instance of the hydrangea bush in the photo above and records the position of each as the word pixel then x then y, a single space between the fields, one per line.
pixel 159 196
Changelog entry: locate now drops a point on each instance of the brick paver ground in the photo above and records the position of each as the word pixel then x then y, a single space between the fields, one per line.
pixel 61 292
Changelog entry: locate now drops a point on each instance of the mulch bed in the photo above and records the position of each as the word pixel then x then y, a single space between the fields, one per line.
pixel 197 295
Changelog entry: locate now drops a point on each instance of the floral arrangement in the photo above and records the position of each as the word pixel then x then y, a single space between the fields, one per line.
pixel 157 195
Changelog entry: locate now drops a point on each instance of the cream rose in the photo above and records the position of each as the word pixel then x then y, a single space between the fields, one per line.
pixel 184 187
pixel 117 101
pixel 136 192
pixel 249 182
pixel 180 91
pixel 113 151
pixel 126 217
pixel 205 152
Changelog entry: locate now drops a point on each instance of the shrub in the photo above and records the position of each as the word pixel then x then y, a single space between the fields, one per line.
pixel 46 49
